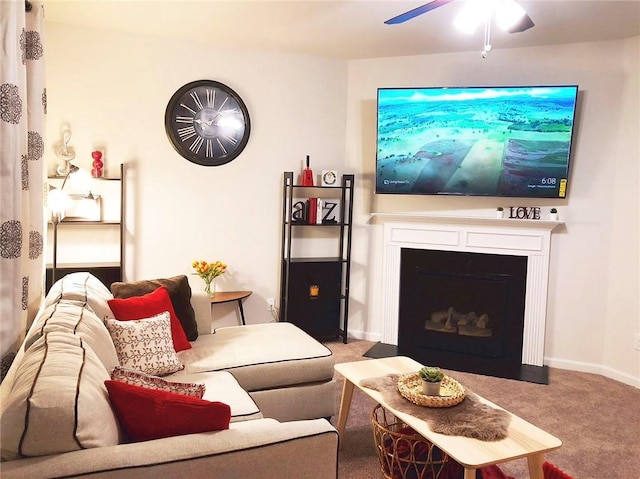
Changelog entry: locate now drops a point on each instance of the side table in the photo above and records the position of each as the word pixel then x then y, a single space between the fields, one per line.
pixel 227 296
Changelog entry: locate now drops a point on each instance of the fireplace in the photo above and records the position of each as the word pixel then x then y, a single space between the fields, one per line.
pixel 462 310
pixel 527 240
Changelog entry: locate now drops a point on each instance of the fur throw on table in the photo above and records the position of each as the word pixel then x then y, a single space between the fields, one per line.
pixel 470 418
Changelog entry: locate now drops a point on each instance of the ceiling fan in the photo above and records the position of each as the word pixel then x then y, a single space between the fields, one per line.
pixel 509 15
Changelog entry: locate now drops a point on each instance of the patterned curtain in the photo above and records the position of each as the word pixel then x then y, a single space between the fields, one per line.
pixel 23 105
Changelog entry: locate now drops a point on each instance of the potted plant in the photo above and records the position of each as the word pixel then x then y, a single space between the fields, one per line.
pixel 431 379
pixel 499 212
pixel 553 214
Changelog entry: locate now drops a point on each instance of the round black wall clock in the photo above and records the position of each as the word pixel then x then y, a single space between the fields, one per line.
pixel 207 123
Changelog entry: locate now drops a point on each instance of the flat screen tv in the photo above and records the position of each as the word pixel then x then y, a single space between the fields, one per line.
pixel 477 141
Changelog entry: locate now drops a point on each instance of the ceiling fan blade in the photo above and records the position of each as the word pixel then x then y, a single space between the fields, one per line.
pixel 525 23
pixel 417 11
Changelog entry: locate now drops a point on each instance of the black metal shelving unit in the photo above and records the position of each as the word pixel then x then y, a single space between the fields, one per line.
pixel 107 272
pixel 314 290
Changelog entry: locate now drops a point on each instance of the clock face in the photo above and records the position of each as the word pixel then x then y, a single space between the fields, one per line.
pixel 329 177
pixel 207 123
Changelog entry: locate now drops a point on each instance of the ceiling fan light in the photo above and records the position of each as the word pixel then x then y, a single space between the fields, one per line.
pixel 472 14
pixel 508 14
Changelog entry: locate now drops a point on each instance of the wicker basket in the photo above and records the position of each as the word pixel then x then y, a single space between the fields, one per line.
pixel 403 453
pixel 451 391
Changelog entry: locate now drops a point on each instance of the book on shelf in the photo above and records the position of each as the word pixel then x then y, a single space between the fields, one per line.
pixel 312 210
pixel 319 211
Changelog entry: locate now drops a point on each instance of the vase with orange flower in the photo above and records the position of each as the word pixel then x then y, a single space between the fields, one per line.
pixel 209 272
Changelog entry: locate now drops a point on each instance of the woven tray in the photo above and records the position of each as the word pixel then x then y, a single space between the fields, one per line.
pixel 451 391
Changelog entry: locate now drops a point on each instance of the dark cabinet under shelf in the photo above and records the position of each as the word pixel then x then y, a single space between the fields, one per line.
pixel 314 296
pixel 106 274
pixel 314 291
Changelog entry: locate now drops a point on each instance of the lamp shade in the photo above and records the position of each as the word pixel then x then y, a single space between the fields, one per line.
pixel 58 202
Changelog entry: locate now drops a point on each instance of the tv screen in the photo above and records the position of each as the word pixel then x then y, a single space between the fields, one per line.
pixel 478 141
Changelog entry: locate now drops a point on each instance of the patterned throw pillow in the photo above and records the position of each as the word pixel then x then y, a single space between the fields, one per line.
pixel 145 344
pixel 138 378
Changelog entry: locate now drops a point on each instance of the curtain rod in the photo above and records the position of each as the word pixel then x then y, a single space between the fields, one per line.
pixel 27 6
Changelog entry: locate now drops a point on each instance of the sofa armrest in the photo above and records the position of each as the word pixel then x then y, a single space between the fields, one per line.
pixel 261 448
pixel 201 303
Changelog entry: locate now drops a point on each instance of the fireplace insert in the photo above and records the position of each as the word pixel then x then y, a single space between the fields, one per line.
pixel 463 310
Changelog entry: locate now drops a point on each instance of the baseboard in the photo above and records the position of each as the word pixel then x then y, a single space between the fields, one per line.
pixel 583 367
pixel 365 336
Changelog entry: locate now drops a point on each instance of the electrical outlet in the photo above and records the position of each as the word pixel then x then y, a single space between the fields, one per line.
pixel 636 341
pixel 271 303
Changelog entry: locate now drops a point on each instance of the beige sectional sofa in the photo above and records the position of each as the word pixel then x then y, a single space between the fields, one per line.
pixel 57 420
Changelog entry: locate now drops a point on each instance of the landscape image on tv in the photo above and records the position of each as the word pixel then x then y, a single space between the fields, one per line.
pixel 491 141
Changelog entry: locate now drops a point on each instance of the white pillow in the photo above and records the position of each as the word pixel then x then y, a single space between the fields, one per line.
pixel 145 344
pixel 58 401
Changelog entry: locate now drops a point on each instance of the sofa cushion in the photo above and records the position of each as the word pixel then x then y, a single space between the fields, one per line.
pixel 146 414
pixel 261 356
pixel 222 386
pixel 74 317
pixel 145 344
pixel 147 305
pixel 179 292
pixel 141 379
pixel 58 402
pixel 82 286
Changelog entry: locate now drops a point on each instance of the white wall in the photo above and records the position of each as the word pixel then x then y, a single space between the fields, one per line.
pixel 112 90
pixel 593 309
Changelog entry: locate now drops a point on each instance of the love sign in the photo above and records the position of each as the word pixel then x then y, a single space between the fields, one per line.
pixel 524 212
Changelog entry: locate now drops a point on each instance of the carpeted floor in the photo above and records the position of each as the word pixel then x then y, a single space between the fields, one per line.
pixel 597 419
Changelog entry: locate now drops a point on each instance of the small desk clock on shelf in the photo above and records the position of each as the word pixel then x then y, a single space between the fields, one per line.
pixel 329 178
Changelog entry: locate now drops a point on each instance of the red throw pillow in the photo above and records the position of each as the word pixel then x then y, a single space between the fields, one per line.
pixel 147 414
pixel 151 304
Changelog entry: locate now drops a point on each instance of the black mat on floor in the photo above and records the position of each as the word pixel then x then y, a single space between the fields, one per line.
pixel 381 350
pixel 532 374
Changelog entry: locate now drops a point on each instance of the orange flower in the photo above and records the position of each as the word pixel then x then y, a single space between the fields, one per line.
pixel 209 271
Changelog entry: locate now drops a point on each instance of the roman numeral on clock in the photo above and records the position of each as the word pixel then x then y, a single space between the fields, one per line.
pixel 224 150
pixel 211 98
pixel 184 119
pixel 230 139
pixel 185 106
pixel 195 146
pixel 186 132
pixel 209 149
pixel 196 99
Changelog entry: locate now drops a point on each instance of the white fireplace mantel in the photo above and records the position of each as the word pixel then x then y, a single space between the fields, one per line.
pixel 530 238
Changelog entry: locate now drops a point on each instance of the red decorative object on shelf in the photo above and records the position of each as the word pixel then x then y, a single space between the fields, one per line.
pixel 307 175
pixel 97 165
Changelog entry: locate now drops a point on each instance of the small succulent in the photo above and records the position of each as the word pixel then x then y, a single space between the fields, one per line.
pixel 500 208
pixel 553 210
pixel 431 374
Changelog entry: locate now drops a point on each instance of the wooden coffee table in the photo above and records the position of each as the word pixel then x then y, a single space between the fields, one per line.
pixel 524 440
